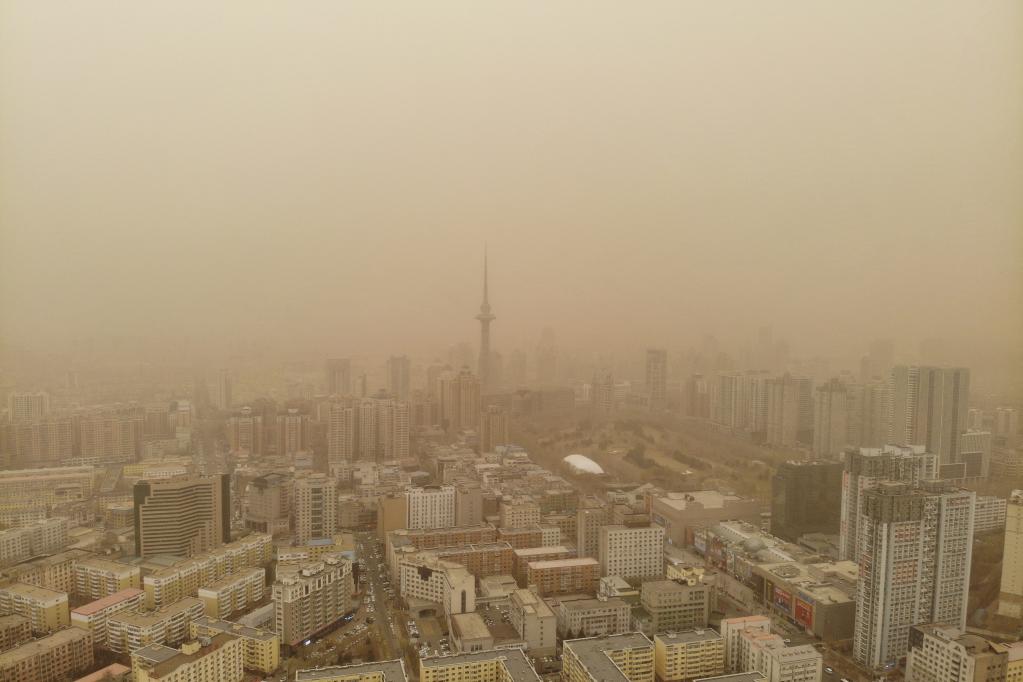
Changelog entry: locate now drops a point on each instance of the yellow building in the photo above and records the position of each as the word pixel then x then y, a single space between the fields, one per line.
pixel 688 655
pixel 55 572
pixel 378 671
pixel 262 649
pixel 21 489
pixel 627 657
pixel 494 665
pixel 60 656
pixel 93 616
pixel 1014 659
pixel 234 593
pixel 1010 598
pixel 218 659
pixel 128 631
pixel 96 577
pixel 46 610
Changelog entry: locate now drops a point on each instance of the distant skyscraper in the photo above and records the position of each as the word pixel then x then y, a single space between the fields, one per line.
pixel 547 358
pixel 602 391
pixel 697 397
pixel 342 434
pixel 460 401
pixel 27 407
pixel 485 317
pixel 245 432
pixel 493 428
pixel 399 371
pixel 929 406
pixel 183 515
pixel 1006 427
pixel 369 430
pixel 914 566
pixel 339 376
pixel 877 363
pixel 224 390
pixel 657 377
pixel 789 410
pixel 831 413
pixel 292 433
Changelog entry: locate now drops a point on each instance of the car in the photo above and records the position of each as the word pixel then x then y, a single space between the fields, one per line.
pixel 829 670
pixel 787 641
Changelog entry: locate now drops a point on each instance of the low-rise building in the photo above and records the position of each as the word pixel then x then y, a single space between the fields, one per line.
pixel 128 631
pixel 940 653
pixel 14 630
pixel 496 665
pixel 46 610
pixel 53 658
pixel 619 658
pixel 681 514
pixel 378 671
pixel 591 617
pixel 262 648
pixel 676 605
pixel 522 557
pixel 234 593
pixel 217 659
pixel 685 656
pixel 535 622
pixel 470 634
pixel 564 576
pixel 94 615
pixel 96 577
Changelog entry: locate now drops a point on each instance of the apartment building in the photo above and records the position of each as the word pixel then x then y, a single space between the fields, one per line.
pixel 217 659
pixel 377 671
pixel 14 630
pixel 165 584
pixel 564 576
pixel 675 605
pixel 311 596
pixel 535 622
pixel 94 615
pixel 96 577
pixel 315 507
pixel 47 610
pixel 589 617
pixel 54 658
pixel 22 489
pixel 519 513
pixel 261 648
pixel 39 537
pixel 233 594
pixel 1010 596
pixel 430 507
pixel 169 625
pixel 495 665
pixel 55 572
pixel 627 657
pixel 522 557
pixel 732 629
pixel 768 654
pixel 939 653
pixel 632 552
pixel 685 656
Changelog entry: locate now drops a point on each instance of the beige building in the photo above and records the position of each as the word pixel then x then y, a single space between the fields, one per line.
pixel 1010 598
pixel 234 593
pixel 493 428
pixel 217 659
pixel 939 653
pixel 535 622
pixel 564 576
pixel 469 633
pixel 55 572
pixel 675 605
pixel 96 577
pixel 183 515
pixel 261 648
pixel 94 615
pixel 685 656
pixel 127 631
pixel 589 617
pixel 309 597
pixel 632 552
pixel 519 513
pixel 619 658
pixel 732 630
pixel 54 658
pixel 496 665
pixel 46 610
pixel 427 580
pixel 681 514
pixel 14 630
pixel 315 507
pixel 378 671
pixel 21 489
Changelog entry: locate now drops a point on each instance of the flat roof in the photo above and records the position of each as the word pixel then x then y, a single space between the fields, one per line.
pixel 688 636
pixel 591 653
pixel 105 674
pixel 470 626
pixel 100 604
pixel 393 671
pixel 235 628
pixel 42 645
pixel 734 677
pixel 35 592
pixel 591 603
pixel 518 666
pixel 708 499
pixel 534 551
pixel 564 563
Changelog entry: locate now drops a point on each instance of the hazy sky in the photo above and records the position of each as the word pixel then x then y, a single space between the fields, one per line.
pixel 325 173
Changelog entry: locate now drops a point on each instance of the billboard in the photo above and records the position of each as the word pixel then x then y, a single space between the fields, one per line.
pixel 804 613
pixel 782 599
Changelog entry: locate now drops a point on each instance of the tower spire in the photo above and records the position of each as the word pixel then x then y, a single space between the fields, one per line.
pixel 485 317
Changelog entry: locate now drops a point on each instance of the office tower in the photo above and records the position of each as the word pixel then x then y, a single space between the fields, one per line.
pixel 399 376
pixel 245 432
pixel 267 507
pixel 657 377
pixel 831 425
pixel 866 468
pixel 789 410
pixel 675 606
pixel 941 653
pixel 292 433
pixel 27 407
pixel 697 397
pixel 877 363
pixel 602 391
pixel 338 373
pixel 914 555
pixel 183 515
pixel 430 507
pixel 1010 596
pixel 460 401
pixel 111 435
pixel 493 428
pixel 485 317
pixel 636 552
pixel 314 507
pixel 803 496
pixel 309 597
pixel 1006 426
pixel 224 391
pixel 929 407
pixel 627 656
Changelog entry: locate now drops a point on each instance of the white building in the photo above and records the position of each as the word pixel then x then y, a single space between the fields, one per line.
pixel 430 507
pixel 428 579
pixel 632 552
pixel 938 653
pixel 535 622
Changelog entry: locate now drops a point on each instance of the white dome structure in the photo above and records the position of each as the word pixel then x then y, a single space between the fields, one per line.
pixel 583 464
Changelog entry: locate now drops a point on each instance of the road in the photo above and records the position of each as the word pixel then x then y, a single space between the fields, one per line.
pixel 370 552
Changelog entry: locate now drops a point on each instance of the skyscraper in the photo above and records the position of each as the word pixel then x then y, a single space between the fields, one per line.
pixel 183 515
pixel 657 377
pixel 371 429
pixel 914 566
pixel 1010 596
pixel 485 317
pixel 803 496
pixel 224 390
pixel 460 401
pixel 831 412
pixel 789 410
pixel 493 428
pixel 929 407
pixel 338 373
pixel 399 371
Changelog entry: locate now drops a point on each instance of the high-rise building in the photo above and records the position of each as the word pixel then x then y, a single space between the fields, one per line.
pixel 697 397
pixel 60 656
pixel 267 507
pixel 657 377
pixel 224 398
pixel 245 432
pixel 602 391
pixel 675 605
pixel 460 401
pixel 430 507
pixel 315 507
pixel 399 376
pixel 831 426
pixel 803 496
pixel 45 442
pixel 914 552
pixel 1010 598
pixel 338 372
pixel 877 363
pixel 865 422
pixel 493 428
pixel 865 469
pixel 485 317
pixel 292 433
pixel 1006 427
pixel 940 653
pixel 789 410
pixel 111 435
pixel 182 515
pixel 27 407
pixel 370 429
pixel 310 597
pixel 547 358
pixel 929 406
pixel 974 456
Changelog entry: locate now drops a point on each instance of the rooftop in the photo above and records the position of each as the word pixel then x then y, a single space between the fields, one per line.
pixel 42 645
pixel 234 628
pixel 515 661
pixel 393 671
pixel 706 499
pixel 163 659
pixel 735 677
pixel 701 635
pixel 110 600
pixel 469 626
pixel 563 563
pixel 35 592
pixel 591 653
